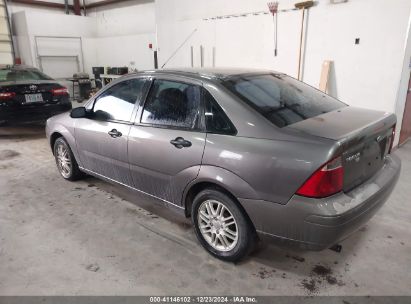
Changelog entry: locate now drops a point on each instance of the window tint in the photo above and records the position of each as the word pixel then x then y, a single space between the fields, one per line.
pixel 117 102
pixel 282 99
pixel 215 118
pixel 173 104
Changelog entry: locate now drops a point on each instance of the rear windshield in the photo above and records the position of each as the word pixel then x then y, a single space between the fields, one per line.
pixel 280 98
pixel 22 75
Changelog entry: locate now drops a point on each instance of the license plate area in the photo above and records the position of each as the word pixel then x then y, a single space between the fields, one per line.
pixel 33 98
pixel 364 160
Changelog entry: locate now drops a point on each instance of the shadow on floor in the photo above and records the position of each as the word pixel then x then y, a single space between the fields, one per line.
pixel 23 132
pixel 142 201
pixel 268 256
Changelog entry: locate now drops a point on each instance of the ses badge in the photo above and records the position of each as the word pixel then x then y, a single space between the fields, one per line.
pixel 355 157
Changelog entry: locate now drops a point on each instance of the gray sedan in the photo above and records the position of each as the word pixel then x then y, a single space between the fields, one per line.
pixel 246 154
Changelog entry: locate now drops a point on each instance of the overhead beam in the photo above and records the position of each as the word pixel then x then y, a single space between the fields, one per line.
pixel 104 3
pixel 76 7
pixel 42 3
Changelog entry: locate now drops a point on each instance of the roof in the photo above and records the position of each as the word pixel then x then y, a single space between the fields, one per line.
pixel 216 73
pixel 17 67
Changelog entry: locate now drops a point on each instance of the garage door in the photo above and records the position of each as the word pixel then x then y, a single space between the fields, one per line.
pixel 6 46
pixel 59 57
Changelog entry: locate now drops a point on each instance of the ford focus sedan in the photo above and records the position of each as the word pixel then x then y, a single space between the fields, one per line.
pixel 248 155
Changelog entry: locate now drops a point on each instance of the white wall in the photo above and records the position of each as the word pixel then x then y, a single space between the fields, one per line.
pixel 124 19
pixel 124 32
pixel 107 39
pixel 403 85
pixel 27 27
pixel 365 75
pixel 22 41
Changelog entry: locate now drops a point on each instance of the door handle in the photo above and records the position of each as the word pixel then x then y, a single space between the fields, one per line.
pixel 114 133
pixel 180 143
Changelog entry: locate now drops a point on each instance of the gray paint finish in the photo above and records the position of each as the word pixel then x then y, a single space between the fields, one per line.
pixel 318 224
pixel 344 122
pixel 262 165
pixel 273 169
pixel 159 168
pixel 103 154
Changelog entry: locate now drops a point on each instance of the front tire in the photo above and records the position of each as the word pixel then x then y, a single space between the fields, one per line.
pixel 221 226
pixel 66 163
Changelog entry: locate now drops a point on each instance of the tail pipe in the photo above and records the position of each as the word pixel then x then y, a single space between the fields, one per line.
pixel 336 248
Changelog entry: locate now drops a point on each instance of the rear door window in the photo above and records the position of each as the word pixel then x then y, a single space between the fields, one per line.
pixel 172 104
pixel 280 98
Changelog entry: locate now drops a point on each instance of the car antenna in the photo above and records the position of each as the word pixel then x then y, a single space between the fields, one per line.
pixel 181 45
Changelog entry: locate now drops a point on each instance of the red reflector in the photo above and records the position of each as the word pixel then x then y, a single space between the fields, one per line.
pixel 59 91
pixel 7 95
pixel 326 181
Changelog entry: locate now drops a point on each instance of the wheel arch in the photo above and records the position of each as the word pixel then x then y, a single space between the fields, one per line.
pixel 53 137
pixel 59 130
pixel 220 179
pixel 200 186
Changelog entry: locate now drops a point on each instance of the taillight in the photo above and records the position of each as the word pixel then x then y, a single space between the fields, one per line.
pixel 326 181
pixel 7 95
pixel 59 91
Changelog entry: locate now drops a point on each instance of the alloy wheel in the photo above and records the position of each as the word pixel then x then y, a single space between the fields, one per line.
pixel 217 225
pixel 63 160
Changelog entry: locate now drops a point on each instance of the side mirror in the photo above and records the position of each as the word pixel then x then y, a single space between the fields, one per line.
pixel 79 112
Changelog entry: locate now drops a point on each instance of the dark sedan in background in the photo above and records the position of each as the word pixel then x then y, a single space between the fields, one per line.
pixel 28 95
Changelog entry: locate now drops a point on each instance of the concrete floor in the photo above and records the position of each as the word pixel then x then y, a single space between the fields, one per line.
pixel 92 238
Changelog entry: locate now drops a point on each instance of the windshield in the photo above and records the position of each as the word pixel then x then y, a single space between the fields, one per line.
pixel 22 75
pixel 281 99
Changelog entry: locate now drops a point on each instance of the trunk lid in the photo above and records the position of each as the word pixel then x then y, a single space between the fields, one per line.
pixel 363 138
pixel 33 94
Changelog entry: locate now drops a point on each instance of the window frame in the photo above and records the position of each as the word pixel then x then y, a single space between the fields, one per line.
pixel 90 105
pixel 219 108
pixel 179 79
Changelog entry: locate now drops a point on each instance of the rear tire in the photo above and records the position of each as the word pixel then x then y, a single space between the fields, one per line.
pixel 65 161
pixel 221 226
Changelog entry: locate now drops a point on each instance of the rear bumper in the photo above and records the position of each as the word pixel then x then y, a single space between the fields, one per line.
pixel 317 224
pixel 33 114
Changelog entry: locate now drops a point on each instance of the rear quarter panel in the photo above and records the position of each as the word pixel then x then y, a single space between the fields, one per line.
pixel 273 169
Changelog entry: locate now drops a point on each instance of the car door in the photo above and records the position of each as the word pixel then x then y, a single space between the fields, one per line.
pixel 167 141
pixel 102 137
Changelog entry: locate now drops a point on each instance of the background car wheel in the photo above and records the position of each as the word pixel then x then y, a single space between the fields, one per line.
pixel 66 163
pixel 221 226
